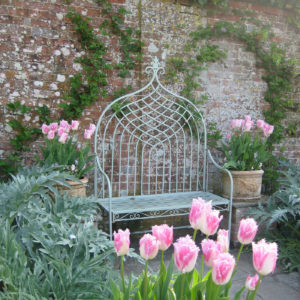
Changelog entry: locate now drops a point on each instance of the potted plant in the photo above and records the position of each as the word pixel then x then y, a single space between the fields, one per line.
pixel 245 152
pixel 63 150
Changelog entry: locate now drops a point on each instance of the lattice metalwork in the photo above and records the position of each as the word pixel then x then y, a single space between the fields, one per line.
pixel 149 142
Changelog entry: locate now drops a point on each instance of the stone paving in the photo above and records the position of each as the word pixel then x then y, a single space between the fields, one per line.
pixel 277 286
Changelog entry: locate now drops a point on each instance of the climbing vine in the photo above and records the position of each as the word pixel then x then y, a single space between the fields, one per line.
pixel 279 73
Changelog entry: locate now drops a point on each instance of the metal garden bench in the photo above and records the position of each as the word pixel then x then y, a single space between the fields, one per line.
pixel 151 155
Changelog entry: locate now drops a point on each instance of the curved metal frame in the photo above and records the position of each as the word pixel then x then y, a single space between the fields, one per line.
pixel 152 120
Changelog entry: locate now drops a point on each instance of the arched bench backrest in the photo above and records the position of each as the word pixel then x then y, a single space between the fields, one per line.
pixel 151 141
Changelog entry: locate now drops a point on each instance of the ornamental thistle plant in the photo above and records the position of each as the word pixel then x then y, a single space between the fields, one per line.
pixel 188 283
pixel 246 148
pixel 62 148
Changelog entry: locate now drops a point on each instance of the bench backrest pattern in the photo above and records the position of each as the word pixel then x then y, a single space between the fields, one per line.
pixel 151 141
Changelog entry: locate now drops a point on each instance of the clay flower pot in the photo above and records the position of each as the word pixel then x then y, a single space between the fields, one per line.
pixel 77 188
pixel 246 185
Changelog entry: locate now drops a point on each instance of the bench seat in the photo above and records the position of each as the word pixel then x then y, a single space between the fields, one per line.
pixel 157 205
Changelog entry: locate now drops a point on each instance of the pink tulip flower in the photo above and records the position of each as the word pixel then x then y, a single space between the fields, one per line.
pixel 251 282
pixel 222 268
pixel 211 250
pixel 60 131
pixel 247 231
pixel 88 134
pixel 198 212
pixel 45 129
pixel 247 118
pixel 92 128
pixel 228 136
pixel 51 135
pixel 185 254
pixel 212 221
pixel 260 123
pixel 268 129
pixel 264 257
pixel 122 242
pixel 236 123
pixel 223 239
pixel 53 126
pixel 248 125
pixel 63 124
pixel 149 246
pixel 63 138
pixel 74 125
pixel 164 234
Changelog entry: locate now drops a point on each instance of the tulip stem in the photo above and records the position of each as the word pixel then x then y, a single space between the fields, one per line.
pixel 122 274
pixel 201 267
pixel 161 258
pixel 257 286
pixel 239 254
pixel 145 280
pixel 247 298
pixel 182 287
pixel 194 235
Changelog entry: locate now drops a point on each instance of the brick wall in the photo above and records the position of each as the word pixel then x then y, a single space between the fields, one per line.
pixel 38 46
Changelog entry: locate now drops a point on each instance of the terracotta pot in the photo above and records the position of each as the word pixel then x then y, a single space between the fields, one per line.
pixel 77 189
pixel 246 185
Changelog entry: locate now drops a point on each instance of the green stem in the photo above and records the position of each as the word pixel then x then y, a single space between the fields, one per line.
pixel 122 274
pixel 257 286
pixel 182 287
pixel 239 254
pixel 161 258
pixel 194 235
pixel 247 298
pixel 201 268
pixel 145 281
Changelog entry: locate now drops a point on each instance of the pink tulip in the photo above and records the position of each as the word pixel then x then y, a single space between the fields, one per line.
pixel 264 257
pixel 228 136
pixel 122 242
pixel 223 239
pixel 60 131
pixel 74 125
pixel 164 234
pixel 63 124
pixel 51 135
pixel 185 254
pixel 260 123
pixel 247 231
pixel 53 126
pixel 210 250
pixel 268 129
pixel 212 221
pixel 148 246
pixel 45 129
pixel 88 134
pixel 251 282
pixel 222 268
pixel 198 212
pixel 92 128
pixel 63 138
pixel 247 118
pixel 248 125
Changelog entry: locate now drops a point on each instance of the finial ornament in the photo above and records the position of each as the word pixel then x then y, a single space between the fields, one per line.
pixel 155 67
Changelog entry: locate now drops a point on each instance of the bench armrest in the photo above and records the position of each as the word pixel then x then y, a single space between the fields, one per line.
pixel 226 170
pixel 98 167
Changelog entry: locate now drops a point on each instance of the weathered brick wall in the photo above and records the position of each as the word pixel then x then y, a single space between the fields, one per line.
pixel 38 46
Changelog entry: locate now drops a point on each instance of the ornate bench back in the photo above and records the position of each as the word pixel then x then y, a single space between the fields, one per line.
pixel 151 141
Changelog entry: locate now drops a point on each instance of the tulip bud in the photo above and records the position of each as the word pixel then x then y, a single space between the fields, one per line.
pixel 212 222
pixel 74 125
pixel 164 234
pixel 53 126
pixel 223 239
pixel 247 231
pixel 251 282
pixel 222 268
pixel 148 246
pixel 51 135
pixel 210 250
pixel 122 242
pixel 45 129
pixel 63 138
pixel 185 254
pixel 197 215
pixel 264 257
